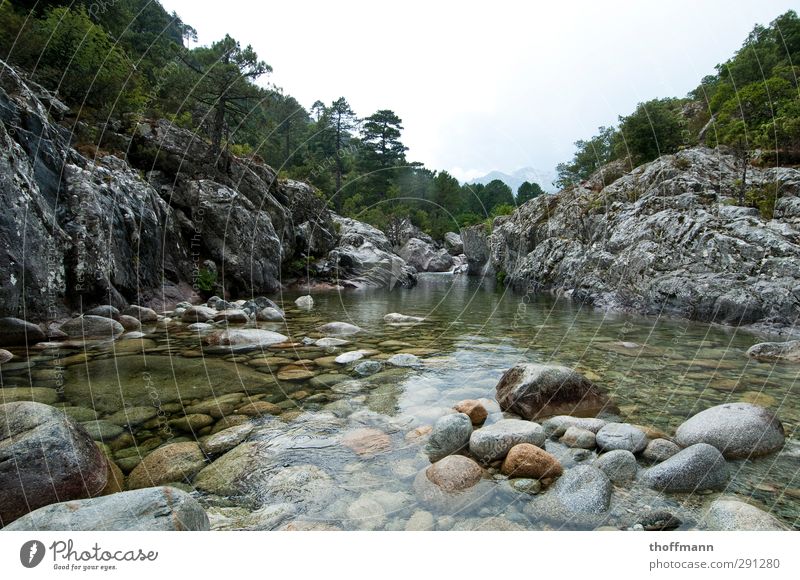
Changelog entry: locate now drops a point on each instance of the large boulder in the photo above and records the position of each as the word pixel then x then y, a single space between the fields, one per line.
pixel 696 468
pixel 494 441
pixel 450 434
pixel 776 351
pixel 14 332
pixel 424 257
pixel 156 509
pixel 453 243
pixel 91 326
pixel 738 430
pixel 536 391
pixel 731 514
pixel 45 457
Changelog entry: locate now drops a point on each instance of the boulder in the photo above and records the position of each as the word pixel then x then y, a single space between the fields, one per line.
pixel 89 326
pixel 535 391
pixel 776 351
pixel 232 315
pixel 526 460
pixel 170 463
pixel 473 409
pixel 143 314
pixel 244 337
pixel 305 302
pixel 578 438
pixel 198 314
pixel 5 356
pixel 454 473
pixel 270 314
pixel 397 318
pixel 130 324
pixel 731 514
pixel 225 440
pixel 45 457
pixel 450 434
pixel 583 489
pixel 738 430
pixel 621 436
pixel 660 450
pixel 494 441
pixel 619 465
pixel 424 257
pixel 104 311
pixel 339 329
pixel 156 509
pixel 453 244
pixel 696 468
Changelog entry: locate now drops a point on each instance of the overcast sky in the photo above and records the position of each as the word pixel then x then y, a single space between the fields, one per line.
pixel 486 85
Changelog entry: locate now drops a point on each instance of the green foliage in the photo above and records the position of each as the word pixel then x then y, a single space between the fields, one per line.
pixel 655 128
pixel 528 191
pixel 206 279
pixel 589 156
pixel 763 198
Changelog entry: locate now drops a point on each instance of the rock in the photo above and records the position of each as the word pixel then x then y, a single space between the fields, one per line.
pixel 367 368
pixel 143 314
pixel 270 314
pixel 580 438
pixel 157 509
pixel 172 462
pixel 5 356
pixel 738 430
pixel 244 336
pixel 92 327
pixel 730 514
pixel 450 434
pixel 198 314
pixel 397 318
pixel 38 394
pixel 526 485
pixel 403 360
pixel 16 332
pixel 132 416
pixel 487 524
pixel 494 441
pixel 534 390
pixel 225 440
pixel 420 521
pixel 659 521
pixel 130 324
pixel 366 514
pixel 258 408
pixel 104 311
pixel 660 450
pixel 44 457
pixel 339 329
pixel 424 257
pixel 558 425
pixel 294 374
pixel 776 351
pixel 102 430
pixel 526 460
pixel 305 302
pixel 349 357
pixel 115 479
pixel 329 342
pixel 698 467
pixel 191 423
pixel 232 315
pixel 454 473
pixel 453 244
pixel 583 489
pixel 473 409
pixel 367 441
pixel 621 436
pixel 619 465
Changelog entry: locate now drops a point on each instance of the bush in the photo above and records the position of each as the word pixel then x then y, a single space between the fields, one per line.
pixel 763 198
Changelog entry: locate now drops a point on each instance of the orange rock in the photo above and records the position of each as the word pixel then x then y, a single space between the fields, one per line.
pixel 454 473
pixel 526 460
pixel 367 441
pixel 473 409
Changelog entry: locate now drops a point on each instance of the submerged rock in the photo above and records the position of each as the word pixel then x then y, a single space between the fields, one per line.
pixel 404 360
pixel 494 441
pixel 339 329
pixel 730 514
pixel 738 430
pixel 156 509
pixel 696 468
pixel 450 434
pixel 45 457
pixel 535 391
pixel 776 351
pixel 397 318
pixel 454 473
pixel 170 463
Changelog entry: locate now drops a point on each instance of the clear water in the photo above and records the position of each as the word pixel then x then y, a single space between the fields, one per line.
pixel 471 335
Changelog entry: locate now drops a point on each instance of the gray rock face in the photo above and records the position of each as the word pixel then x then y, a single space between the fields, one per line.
pixel 450 434
pixel 14 331
pixel 156 509
pixel 535 391
pixel 657 240
pixel 453 243
pixel 424 257
pixel 776 351
pixel 698 467
pixel 45 457
pixel 621 436
pixel 494 441
pixel 730 514
pixel 619 465
pixel 737 429
pixel 89 326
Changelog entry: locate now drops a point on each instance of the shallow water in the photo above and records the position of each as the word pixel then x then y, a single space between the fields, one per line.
pixel 471 335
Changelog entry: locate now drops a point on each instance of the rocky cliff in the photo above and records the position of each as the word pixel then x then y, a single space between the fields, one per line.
pixel 151 222
pixel 666 238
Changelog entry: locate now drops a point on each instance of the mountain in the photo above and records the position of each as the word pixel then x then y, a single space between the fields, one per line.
pixel 514 180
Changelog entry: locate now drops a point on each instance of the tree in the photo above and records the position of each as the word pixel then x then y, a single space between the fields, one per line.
pixel 224 73
pixel 655 128
pixel 340 120
pixel 589 156
pixel 380 134
pixel 496 193
pixel 528 191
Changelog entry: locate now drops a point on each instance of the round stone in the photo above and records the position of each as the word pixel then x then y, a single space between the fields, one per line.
pixel 621 436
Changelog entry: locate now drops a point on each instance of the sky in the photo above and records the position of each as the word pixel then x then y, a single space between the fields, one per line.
pixel 485 86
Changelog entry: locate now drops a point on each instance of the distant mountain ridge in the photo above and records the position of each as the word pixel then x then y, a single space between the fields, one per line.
pixel 514 180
